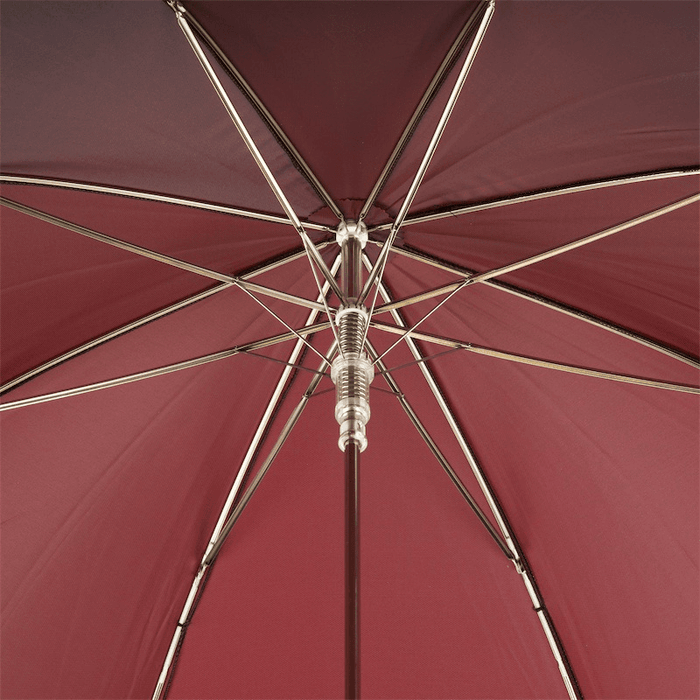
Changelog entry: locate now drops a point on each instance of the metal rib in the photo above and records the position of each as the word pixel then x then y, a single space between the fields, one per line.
pixel 166 369
pixel 542 301
pixel 520 560
pixel 543 194
pixel 254 151
pixel 159 257
pixel 536 362
pixel 378 269
pixel 152 197
pixel 284 140
pixel 454 287
pixel 427 98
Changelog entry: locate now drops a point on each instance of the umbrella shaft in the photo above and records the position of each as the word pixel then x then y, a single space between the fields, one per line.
pixel 352 571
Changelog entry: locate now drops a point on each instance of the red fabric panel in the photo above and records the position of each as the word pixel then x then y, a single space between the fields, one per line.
pixel 564 92
pixel 112 93
pixel 444 614
pixel 108 500
pixel 341 90
pixel 644 278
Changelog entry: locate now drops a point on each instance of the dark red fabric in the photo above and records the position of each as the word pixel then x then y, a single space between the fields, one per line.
pixel 109 498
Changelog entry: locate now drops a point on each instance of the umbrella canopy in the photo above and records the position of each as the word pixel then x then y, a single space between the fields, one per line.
pixel 174 177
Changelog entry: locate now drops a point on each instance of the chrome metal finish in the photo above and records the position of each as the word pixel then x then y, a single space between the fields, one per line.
pixel 542 301
pixel 166 369
pixel 517 555
pixel 351 236
pixel 352 372
pixel 267 117
pixel 252 147
pixel 545 194
pixel 149 196
pixel 524 359
pixel 378 269
pixel 427 98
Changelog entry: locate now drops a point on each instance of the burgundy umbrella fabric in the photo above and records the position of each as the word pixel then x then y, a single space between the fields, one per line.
pixel 141 396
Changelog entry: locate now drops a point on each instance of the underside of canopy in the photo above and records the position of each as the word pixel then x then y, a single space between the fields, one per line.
pixel 529 495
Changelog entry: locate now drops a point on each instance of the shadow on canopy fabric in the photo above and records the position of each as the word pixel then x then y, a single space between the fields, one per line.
pixel 167 284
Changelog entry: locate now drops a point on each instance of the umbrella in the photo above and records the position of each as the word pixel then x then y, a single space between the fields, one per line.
pixel 456 240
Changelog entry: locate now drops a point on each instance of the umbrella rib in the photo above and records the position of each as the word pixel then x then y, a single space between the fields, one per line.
pixel 428 96
pixel 536 362
pixel 267 117
pixel 165 369
pixel 517 554
pixel 160 257
pixel 454 211
pixel 378 269
pixel 252 147
pixel 154 197
pixel 547 303
pixel 453 288
pixel 137 323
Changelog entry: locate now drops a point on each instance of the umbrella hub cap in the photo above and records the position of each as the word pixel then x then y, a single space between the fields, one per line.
pixel 351 229
pixel 352 373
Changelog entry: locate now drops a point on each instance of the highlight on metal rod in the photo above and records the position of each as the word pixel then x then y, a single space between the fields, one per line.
pixel 267 117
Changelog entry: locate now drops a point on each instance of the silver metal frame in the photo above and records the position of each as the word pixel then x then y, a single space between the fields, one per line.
pixel 152 197
pixel 535 362
pixel 547 303
pixel 545 194
pixel 427 98
pixel 378 269
pixel 160 257
pixel 233 493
